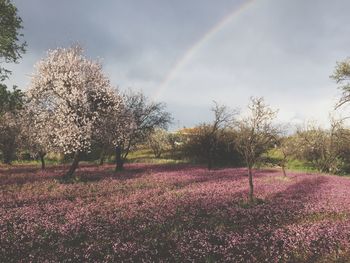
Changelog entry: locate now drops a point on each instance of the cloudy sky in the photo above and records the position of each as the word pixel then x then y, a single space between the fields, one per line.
pixel 188 53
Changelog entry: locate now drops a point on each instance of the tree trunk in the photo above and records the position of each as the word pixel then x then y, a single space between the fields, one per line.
pixel 73 167
pixel 118 159
pixel 42 160
pixel 284 170
pixel 251 186
pixel 210 163
pixel 102 157
pixel 9 153
pixel 210 159
pixel 7 159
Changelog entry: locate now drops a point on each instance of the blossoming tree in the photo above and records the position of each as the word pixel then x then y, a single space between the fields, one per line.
pixel 32 139
pixel 72 98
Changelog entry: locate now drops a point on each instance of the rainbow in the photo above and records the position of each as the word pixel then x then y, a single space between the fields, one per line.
pixel 187 56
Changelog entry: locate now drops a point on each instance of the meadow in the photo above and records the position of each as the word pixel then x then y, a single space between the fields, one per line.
pixel 172 213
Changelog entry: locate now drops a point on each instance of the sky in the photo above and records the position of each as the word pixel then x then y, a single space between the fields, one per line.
pixel 187 53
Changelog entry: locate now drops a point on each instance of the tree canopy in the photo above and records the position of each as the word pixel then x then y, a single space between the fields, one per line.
pixel 71 96
pixel 11 45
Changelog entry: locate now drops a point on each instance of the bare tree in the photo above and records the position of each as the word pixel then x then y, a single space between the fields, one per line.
pixel 256 134
pixel 146 116
pixel 208 134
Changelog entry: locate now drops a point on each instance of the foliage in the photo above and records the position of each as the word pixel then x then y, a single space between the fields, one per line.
pixel 205 140
pixel 175 141
pixel 158 142
pixel 324 148
pixel 11 103
pixel 11 47
pixel 341 75
pixel 195 146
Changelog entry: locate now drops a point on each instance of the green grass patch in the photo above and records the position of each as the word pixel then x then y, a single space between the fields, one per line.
pixel 318 217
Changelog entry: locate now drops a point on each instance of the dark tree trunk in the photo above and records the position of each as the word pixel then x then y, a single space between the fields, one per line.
pixel 7 159
pixel 210 163
pixel 73 167
pixel 9 151
pixel 118 159
pixel 42 160
pixel 102 157
pixel 210 157
pixel 251 186
pixel 284 170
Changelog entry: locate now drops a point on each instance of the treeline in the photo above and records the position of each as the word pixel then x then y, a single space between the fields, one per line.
pixel 70 108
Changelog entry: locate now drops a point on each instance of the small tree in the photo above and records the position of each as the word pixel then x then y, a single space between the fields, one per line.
pixel 115 127
pixel 71 97
pixel 32 139
pixel 11 48
pixel 256 134
pixel 288 147
pixel 158 142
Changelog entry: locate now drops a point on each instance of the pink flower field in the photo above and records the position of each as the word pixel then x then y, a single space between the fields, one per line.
pixel 152 213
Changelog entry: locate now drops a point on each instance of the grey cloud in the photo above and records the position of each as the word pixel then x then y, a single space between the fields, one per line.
pixel 280 49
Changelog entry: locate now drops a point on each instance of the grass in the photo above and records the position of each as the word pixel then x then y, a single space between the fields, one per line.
pixel 274 158
pixel 147 156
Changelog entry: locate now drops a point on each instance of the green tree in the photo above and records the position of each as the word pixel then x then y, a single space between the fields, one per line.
pixel 11 103
pixel 11 46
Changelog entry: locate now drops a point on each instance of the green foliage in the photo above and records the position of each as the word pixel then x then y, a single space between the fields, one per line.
pixel 158 142
pixel 11 48
pixel 195 146
pixel 10 101
pixel 146 155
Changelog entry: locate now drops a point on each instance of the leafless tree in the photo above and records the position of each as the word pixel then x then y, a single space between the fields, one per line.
pixel 147 116
pixel 256 134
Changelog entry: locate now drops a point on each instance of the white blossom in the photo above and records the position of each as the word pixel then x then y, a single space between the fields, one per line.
pixel 72 100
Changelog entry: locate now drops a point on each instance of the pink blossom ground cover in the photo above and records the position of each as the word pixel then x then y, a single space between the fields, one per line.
pixel 152 213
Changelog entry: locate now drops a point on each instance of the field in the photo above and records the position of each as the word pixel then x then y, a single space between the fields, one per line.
pixel 172 213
